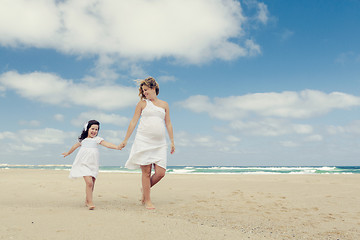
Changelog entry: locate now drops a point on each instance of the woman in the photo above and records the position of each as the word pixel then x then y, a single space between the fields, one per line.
pixel 149 147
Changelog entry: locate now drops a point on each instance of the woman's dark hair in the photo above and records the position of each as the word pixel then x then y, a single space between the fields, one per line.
pixel 85 131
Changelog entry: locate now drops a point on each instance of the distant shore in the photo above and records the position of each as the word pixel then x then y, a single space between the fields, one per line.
pixel 45 204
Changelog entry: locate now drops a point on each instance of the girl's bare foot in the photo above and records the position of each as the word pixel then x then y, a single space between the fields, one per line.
pixel 142 197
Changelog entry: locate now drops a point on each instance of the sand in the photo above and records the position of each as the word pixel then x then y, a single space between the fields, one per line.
pixel 45 204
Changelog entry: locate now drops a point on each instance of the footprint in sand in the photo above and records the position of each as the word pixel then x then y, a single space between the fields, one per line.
pixel 237 192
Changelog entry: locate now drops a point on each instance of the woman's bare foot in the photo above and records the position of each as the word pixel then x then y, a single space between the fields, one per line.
pixel 149 206
pixel 91 205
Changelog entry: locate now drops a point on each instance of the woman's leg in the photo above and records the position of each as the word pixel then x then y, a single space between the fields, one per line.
pixel 146 184
pixel 158 175
pixel 89 188
pixel 94 179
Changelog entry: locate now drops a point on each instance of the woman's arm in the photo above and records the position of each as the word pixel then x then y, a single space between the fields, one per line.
pixel 72 149
pixel 169 128
pixel 139 107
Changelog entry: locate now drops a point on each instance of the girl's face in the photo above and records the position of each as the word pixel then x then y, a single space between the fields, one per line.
pixel 93 131
pixel 148 92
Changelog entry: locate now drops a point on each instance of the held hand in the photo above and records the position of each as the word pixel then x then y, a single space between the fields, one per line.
pixel 122 145
pixel 172 148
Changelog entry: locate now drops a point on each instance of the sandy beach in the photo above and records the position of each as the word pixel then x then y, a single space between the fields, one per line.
pixel 45 204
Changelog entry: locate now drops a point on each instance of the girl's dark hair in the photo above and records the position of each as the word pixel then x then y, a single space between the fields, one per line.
pixel 85 132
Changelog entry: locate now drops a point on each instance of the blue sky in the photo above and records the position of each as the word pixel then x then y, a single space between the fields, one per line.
pixel 248 82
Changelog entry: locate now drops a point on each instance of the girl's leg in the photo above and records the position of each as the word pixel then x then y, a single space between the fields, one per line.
pixel 146 184
pixel 158 175
pixel 89 187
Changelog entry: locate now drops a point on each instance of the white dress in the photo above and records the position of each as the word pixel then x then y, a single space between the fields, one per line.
pixel 86 162
pixel 150 145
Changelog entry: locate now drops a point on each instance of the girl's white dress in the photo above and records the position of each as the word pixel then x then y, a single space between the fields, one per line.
pixel 86 162
pixel 150 145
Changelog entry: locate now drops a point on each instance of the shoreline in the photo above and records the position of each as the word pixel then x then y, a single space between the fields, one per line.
pixel 45 204
pixel 211 169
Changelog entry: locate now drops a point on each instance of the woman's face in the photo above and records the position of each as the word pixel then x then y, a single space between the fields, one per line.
pixel 93 131
pixel 148 92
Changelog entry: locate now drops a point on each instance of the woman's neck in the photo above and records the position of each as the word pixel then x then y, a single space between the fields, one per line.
pixel 153 99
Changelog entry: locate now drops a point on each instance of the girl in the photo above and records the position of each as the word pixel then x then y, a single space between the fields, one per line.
pixel 149 147
pixel 86 163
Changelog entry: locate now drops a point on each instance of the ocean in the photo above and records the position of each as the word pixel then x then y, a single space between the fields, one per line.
pixel 213 169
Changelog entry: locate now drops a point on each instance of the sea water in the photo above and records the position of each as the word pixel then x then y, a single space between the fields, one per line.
pixel 213 169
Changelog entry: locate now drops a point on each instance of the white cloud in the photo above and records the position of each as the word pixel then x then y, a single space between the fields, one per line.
pixel 59 117
pixel 46 140
pixel 182 139
pixel 205 141
pixel 302 128
pixel 314 138
pixel 185 139
pixel 23 148
pixel 32 123
pixel 32 23
pixel 114 137
pixel 269 114
pixel 232 138
pixel 51 89
pixel 166 78
pixel 194 31
pixel 104 70
pixel 101 117
pixel 2 91
pixel 353 128
pixel 347 58
pixel 263 13
pixel 270 127
pixel 289 144
pixel 7 135
pixel 287 34
pixel 137 71
pixel 31 139
pixel 42 136
pixel 253 48
pixel 335 129
pixel 297 105
pixel 49 142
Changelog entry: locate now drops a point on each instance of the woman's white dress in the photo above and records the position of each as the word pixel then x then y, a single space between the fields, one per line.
pixel 86 162
pixel 150 145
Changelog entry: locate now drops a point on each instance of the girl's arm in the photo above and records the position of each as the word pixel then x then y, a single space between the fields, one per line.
pixel 139 107
pixel 169 128
pixel 108 145
pixel 73 148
